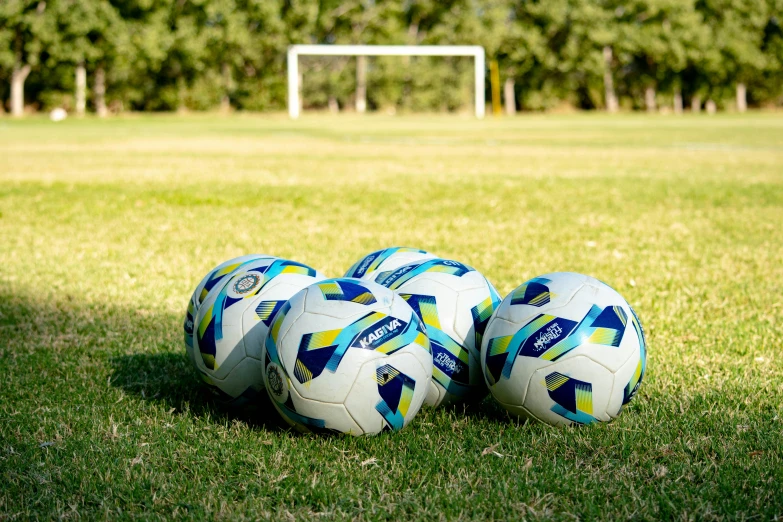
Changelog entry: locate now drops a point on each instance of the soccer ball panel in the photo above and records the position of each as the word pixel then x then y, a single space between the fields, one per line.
pixel 259 313
pixel 323 359
pixel 506 378
pixel 222 332
pixel 307 415
pixel 218 338
pixel 335 416
pixel 519 411
pixel 549 290
pixel 245 379
pixel 600 324
pixel 320 345
pixel 544 324
pixel 319 354
pixel 389 392
pixel 470 326
pixel 445 302
pixel 220 273
pixel 629 377
pixel 454 302
pixel 234 319
pixel 345 297
pixel 386 259
pixel 626 381
pixel 214 277
pixel 572 391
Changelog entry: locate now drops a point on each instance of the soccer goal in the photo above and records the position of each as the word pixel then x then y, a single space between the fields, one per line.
pixel 475 51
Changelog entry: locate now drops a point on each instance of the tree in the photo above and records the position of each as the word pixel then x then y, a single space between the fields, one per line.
pixel 90 33
pixel 738 33
pixel 491 24
pixel 770 84
pixel 357 22
pixel 656 41
pixel 229 43
pixel 27 27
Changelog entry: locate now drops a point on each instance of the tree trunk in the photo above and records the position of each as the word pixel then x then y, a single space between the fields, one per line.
pixel 711 107
pixel 361 84
pixel 334 107
pixel 99 92
pixel 742 97
pixel 609 94
pixel 225 101
pixel 696 104
pixel 181 92
pixel 509 99
pixel 81 89
pixel 677 101
pixel 18 76
pixel 649 98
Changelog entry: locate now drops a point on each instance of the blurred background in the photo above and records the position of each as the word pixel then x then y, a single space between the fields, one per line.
pixel 111 56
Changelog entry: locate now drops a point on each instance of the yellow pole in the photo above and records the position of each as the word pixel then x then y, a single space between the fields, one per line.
pixel 494 80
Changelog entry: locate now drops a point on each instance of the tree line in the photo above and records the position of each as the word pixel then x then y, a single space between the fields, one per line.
pixel 118 55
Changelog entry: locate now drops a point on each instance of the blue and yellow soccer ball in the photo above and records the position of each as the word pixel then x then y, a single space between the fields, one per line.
pixel 564 348
pixel 384 260
pixel 347 356
pixel 214 277
pixel 232 322
pixel 454 301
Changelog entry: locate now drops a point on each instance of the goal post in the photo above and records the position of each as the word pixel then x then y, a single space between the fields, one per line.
pixel 294 51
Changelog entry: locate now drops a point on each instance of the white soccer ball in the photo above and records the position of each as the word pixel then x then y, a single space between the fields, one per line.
pixel 348 356
pixel 564 348
pixel 214 277
pixel 386 259
pixel 455 302
pixel 58 114
pixel 234 319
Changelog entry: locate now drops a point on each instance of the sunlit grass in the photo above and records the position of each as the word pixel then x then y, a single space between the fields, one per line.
pixel 106 226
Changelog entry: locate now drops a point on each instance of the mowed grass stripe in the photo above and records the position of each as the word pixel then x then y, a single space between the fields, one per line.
pixel 106 226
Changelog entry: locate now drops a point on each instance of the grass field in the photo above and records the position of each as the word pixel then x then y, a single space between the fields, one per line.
pixel 106 227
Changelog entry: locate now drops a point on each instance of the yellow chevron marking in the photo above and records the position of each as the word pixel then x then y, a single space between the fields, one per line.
pixel 584 401
pixel 555 382
pixel 205 321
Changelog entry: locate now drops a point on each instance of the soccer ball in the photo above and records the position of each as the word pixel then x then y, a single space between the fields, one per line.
pixel 564 349
pixel 348 356
pixel 233 321
pixel 216 276
pixel 386 259
pixel 455 302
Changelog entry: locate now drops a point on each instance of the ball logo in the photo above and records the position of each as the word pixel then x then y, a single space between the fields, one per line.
pixel 387 278
pixel 365 264
pixel 546 337
pixel 443 361
pixel 246 283
pixel 274 378
pixel 379 333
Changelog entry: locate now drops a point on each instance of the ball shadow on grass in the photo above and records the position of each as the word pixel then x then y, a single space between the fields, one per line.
pixel 169 378
pixel 485 409
pixel 139 351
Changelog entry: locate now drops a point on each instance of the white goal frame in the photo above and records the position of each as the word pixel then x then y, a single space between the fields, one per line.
pixel 294 51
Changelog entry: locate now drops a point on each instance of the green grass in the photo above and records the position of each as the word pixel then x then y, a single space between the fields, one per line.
pixel 106 226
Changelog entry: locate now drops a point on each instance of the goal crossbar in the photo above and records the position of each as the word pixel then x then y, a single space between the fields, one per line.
pixel 294 51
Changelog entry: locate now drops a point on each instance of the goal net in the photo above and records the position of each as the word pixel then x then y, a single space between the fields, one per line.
pixel 362 51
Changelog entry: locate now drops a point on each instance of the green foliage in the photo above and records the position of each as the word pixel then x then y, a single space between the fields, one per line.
pixel 27 32
pixel 199 54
